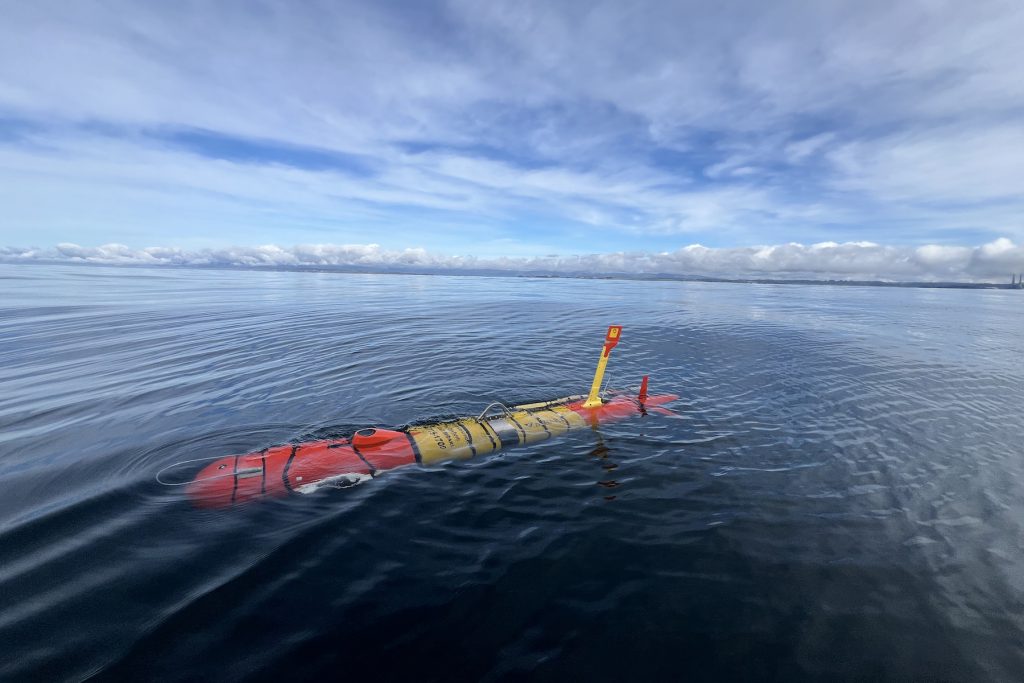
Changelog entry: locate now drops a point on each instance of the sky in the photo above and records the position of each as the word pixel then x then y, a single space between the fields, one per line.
pixel 857 139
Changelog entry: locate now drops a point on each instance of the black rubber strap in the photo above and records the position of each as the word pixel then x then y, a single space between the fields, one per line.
pixel 487 430
pixel 522 430
pixel 373 470
pixel 415 448
pixel 469 437
pixel 263 461
pixel 541 423
pixel 234 489
pixel 287 466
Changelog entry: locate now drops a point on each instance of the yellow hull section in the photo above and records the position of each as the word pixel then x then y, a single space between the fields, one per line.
pixel 469 437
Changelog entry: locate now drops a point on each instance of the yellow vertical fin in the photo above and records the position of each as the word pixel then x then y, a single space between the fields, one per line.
pixel 610 340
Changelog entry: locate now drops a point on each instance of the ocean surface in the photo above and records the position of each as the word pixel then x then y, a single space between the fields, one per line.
pixel 839 497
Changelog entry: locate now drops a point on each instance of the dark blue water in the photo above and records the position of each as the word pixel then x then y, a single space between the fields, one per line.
pixel 841 496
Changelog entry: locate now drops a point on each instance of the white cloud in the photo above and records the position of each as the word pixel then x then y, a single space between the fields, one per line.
pixel 800 150
pixel 948 164
pixel 107 180
pixel 851 261
pixel 360 75
pixel 789 118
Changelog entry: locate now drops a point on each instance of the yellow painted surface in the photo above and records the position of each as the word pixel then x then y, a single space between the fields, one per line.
pixel 470 436
pixel 594 398
pixel 610 340
pixel 483 439
pixel 441 441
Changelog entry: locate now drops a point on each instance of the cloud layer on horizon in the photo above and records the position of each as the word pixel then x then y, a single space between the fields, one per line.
pixel 994 261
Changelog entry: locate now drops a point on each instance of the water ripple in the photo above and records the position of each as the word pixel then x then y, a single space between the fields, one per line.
pixel 839 495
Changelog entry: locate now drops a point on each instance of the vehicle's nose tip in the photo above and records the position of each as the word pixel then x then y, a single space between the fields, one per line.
pixel 214 485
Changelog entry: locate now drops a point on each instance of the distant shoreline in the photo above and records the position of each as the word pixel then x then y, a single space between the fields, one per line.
pixel 483 272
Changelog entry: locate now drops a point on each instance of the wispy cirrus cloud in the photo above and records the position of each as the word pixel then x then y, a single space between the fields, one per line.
pixel 567 126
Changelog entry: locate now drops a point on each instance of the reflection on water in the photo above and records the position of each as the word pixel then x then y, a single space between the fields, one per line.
pixel 601 452
pixel 839 496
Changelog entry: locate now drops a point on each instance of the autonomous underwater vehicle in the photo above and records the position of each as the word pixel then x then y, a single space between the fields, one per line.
pixel 309 466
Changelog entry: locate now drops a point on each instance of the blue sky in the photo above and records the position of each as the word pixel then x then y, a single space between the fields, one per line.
pixel 511 129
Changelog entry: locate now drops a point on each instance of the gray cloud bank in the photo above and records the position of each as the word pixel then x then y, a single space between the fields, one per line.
pixel 994 261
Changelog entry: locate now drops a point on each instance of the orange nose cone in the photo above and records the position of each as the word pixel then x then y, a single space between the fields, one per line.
pixel 215 485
